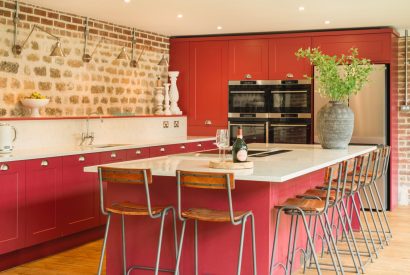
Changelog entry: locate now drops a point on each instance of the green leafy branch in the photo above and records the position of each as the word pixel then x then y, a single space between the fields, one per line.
pixel 337 77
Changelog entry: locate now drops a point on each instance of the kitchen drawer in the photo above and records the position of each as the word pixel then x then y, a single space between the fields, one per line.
pixel 137 153
pixel 158 151
pixel 113 156
pixel 199 146
pixel 82 159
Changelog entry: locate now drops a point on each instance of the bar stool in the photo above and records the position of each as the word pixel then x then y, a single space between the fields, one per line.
pixel 221 181
pixel 126 208
pixel 301 207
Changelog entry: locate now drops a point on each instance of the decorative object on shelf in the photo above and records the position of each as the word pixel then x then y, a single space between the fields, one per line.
pixel 230 165
pixel 35 104
pixel 167 109
pixel 173 93
pixel 8 135
pixel 88 57
pixel 338 77
pixel 159 101
pixel 17 49
pixel 159 81
pixel 123 55
pixel 163 61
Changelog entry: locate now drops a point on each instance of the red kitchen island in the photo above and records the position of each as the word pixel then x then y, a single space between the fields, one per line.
pixel 273 179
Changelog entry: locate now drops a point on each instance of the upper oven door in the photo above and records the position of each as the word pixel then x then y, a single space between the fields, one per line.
pixel 291 99
pixel 247 99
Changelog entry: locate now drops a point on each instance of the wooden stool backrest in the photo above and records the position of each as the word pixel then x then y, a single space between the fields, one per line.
pixel 206 180
pixel 125 176
pixel 384 160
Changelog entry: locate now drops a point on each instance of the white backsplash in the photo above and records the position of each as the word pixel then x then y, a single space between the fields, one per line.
pixel 67 132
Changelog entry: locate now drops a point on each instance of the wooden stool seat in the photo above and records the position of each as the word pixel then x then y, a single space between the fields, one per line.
pixel 308 205
pixel 322 194
pixel 132 209
pixel 334 186
pixel 210 215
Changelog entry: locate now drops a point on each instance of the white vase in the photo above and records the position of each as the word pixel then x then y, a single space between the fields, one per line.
pixel 35 105
pixel 159 101
pixel 167 109
pixel 173 93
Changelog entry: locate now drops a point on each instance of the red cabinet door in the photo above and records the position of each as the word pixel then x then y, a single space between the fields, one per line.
pixel 43 192
pixel 138 153
pixel 248 59
pixel 12 205
pixel 376 47
pixel 179 61
pixel 113 156
pixel 208 82
pixel 283 64
pixel 80 194
pixel 158 151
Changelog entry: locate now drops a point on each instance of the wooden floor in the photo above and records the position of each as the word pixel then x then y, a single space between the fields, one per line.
pixel 394 259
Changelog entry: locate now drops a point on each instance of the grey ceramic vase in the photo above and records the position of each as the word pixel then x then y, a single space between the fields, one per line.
pixel 335 122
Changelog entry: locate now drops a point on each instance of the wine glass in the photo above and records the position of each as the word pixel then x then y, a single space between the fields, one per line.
pixel 222 141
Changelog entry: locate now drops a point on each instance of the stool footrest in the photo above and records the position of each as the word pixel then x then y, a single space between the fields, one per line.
pixel 149 268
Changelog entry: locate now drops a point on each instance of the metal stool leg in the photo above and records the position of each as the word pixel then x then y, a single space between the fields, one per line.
pixel 124 253
pixel 107 228
pixel 378 212
pixel 312 246
pixel 372 216
pixel 196 246
pixel 253 245
pixel 294 245
pixel 181 241
pixel 289 242
pixel 161 230
pixel 366 222
pixel 327 232
pixel 275 240
pixel 383 207
pixel 238 272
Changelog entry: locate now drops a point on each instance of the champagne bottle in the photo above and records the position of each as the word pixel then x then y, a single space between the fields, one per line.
pixel 239 148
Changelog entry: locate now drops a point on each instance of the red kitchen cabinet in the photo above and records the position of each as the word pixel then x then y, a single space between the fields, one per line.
pixel 138 153
pixel 158 151
pixel 208 82
pixel 199 146
pixel 179 61
pixel 43 192
pixel 80 194
pixel 113 156
pixel 283 64
pixel 376 47
pixel 248 59
pixel 12 206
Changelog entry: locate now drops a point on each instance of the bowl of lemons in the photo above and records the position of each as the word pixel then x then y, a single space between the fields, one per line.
pixel 35 101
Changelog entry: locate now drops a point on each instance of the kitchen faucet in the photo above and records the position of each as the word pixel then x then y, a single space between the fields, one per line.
pixel 89 135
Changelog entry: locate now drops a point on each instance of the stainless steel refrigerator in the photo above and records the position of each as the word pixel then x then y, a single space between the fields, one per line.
pixel 370 108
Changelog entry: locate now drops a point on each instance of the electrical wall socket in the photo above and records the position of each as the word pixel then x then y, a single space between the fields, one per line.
pixel 176 124
pixel 165 124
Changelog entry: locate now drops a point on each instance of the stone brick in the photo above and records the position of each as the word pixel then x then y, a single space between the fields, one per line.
pixel 34 45
pixel 97 89
pixel 104 100
pixel 9 99
pixel 113 99
pixel 61 86
pixel 4 53
pixel 85 100
pixel 9 67
pixel 75 63
pixel 3 112
pixel 40 71
pixel 74 99
pixel 67 73
pixel 33 57
pixel 47 59
pixel 29 85
pixel 53 111
pixel 15 83
pixel 44 86
pixel 55 73
pixel 114 110
pixel 119 90
pixel 3 82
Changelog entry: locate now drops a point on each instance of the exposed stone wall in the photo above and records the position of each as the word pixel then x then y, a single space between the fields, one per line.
pixel 404 132
pixel 104 85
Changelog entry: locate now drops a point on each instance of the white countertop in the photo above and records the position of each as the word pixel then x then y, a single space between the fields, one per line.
pixel 48 152
pixel 303 159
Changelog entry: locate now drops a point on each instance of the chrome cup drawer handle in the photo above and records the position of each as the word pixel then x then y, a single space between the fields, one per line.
pixel 138 152
pixel 81 159
pixel 44 163
pixel 289 75
pixel 248 76
pixel 162 149
pixel 4 167
pixel 113 155
pixel 208 122
pixel 182 147
pixel 199 145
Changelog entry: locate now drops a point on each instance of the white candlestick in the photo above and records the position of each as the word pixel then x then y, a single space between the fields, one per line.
pixel 159 101
pixel 166 103
pixel 173 93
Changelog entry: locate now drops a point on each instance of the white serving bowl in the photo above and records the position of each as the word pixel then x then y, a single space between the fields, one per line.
pixel 35 105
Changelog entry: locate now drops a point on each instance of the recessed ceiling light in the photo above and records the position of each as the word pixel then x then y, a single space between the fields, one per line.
pixel 127 1
pixel 327 22
pixel 180 15
pixel 219 28
pixel 301 8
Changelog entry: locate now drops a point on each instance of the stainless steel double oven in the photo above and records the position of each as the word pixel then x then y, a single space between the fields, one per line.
pixel 274 111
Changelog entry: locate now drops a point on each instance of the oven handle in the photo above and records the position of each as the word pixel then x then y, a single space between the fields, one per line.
pixel 289 92
pixel 288 125
pixel 247 92
pixel 246 124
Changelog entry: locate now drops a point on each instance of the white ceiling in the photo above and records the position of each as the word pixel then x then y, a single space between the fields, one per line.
pixel 238 16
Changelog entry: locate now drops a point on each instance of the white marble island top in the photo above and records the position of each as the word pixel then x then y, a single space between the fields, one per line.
pixel 300 160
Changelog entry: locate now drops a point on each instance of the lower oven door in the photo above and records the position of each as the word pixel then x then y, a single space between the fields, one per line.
pixel 290 133
pixel 253 132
